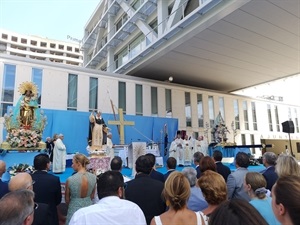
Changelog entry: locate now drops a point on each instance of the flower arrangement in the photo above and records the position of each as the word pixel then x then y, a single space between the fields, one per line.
pixel 22 138
pixel 19 168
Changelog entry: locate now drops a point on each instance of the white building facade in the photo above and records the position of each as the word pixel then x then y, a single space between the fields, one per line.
pixel 64 87
pixel 39 48
pixel 120 33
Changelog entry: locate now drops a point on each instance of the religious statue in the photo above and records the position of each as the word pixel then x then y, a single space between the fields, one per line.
pixel 220 132
pixel 28 104
pixel 26 122
pixel 97 131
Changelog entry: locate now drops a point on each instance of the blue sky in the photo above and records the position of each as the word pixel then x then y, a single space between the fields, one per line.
pixel 54 19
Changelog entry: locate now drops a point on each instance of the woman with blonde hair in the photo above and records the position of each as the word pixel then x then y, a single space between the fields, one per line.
pixel 287 165
pixel 176 193
pixel 255 186
pixel 214 190
pixel 80 187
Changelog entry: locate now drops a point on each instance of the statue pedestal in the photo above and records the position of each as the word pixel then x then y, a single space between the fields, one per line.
pixel 99 164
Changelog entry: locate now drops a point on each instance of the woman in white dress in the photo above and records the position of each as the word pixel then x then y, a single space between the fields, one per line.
pixel 176 193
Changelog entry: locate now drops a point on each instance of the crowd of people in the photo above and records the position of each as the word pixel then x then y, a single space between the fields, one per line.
pixel 204 194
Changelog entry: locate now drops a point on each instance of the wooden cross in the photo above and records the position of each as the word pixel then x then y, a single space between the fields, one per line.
pixel 121 123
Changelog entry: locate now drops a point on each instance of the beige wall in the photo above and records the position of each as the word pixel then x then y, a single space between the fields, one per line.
pixel 279 146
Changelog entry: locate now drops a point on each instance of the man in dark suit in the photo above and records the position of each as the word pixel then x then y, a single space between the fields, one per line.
pixel 171 166
pixel 145 191
pixel 3 185
pixel 42 212
pixel 269 161
pixel 49 147
pixel 154 173
pixel 47 187
pixel 197 158
pixel 221 168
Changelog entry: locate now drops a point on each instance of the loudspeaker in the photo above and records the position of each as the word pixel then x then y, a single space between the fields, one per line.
pixel 288 127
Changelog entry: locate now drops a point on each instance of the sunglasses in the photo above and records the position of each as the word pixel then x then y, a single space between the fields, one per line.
pixel 35 206
pixel 32 183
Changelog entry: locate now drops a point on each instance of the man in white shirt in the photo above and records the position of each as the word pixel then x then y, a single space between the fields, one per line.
pixel 111 209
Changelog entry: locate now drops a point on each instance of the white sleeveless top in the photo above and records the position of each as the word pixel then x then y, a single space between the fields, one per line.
pixel 198 215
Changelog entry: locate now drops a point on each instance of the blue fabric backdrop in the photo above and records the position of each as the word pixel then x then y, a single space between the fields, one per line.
pixel 74 125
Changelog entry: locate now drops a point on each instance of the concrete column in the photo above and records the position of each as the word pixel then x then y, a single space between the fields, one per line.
pixel 162 15
pixel 110 27
pixel 110 59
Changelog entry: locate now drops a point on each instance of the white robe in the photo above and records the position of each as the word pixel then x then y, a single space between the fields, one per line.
pixel 176 151
pixel 187 152
pixel 109 149
pixel 192 146
pixel 201 146
pixel 59 157
pixel 173 150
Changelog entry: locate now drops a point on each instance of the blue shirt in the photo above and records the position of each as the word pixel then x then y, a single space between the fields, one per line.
pixel 196 201
pixel 264 207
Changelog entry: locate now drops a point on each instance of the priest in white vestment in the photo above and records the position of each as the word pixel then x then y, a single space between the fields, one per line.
pixel 59 155
pixel 187 151
pixel 110 147
pixel 201 146
pixel 176 150
pixel 192 145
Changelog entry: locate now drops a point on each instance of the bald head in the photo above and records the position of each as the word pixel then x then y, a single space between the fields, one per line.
pixel 20 181
pixel 2 167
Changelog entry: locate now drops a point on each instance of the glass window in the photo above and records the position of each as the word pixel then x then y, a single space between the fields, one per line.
pixel 168 94
pixel 120 22
pixel 290 113
pixel 154 104
pixel 122 96
pixel 245 110
pixel 211 111
pixel 236 114
pixel 243 139
pixel 277 118
pixel 37 78
pixel 122 57
pixel 8 87
pixel 270 117
pixel 188 113
pixel 136 46
pixel 222 107
pixel 93 94
pixel 296 120
pixel 254 115
pixel 200 110
pixel 252 142
pixel 137 4
pixel 72 92
pixel 139 99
